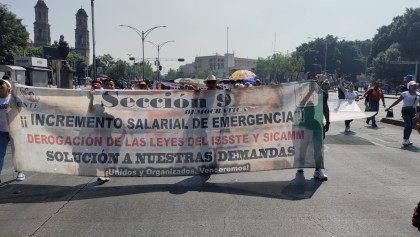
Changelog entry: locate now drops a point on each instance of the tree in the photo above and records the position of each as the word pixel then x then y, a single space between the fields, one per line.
pixel 78 63
pixel 119 70
pixel 402 38
pixel 171 74
pixel 104 63
pixel 385 69
pixel 27 51
pixel 350 58
pixel 13 34
pixel 279 67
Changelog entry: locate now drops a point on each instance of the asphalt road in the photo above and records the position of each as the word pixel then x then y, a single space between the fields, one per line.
pixel 372 189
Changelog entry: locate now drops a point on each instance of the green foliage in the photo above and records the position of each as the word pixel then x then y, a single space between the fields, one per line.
pixel 384 69
pixel 123 70
pixel 349 58
pixel 27 51
pixel 180 73
pixel 13 35
pixel 78 63
pixel 119 70
pixel 279 68
pixel 399 41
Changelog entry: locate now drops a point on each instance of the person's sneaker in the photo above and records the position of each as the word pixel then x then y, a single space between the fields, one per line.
pixel 374 125
pixel 319 174
pixel 103 179
pixel 20 176
pixel 347 129
pixel 406 142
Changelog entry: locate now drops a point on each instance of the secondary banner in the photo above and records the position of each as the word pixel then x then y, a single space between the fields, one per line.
pixel 166 132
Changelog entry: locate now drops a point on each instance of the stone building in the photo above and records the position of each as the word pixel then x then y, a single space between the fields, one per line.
pixel 82 34
pixel 220 65
pixel 42 35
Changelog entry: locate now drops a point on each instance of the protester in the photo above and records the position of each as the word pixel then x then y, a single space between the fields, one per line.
pixel 109 84
pixel 143 86
pixel 211 82
pixel 324 84
pixel 5 89
pixel 6 77
pixel 341 93
pixel 411 99
pixel 350 95
pixel 96 85
pixel 374 94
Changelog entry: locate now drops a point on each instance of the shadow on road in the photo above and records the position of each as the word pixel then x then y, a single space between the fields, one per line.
pixel 297 189
pixel 412 148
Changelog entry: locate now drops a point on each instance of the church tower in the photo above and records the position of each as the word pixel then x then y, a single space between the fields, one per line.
pixel 42 36
pixel 82 34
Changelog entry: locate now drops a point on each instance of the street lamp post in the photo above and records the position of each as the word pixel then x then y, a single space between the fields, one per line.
pixel 93 41
pixel 158 47
pixel 143 35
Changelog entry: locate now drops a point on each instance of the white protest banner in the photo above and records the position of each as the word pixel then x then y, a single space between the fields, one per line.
pixel 341 110
pixel 166 132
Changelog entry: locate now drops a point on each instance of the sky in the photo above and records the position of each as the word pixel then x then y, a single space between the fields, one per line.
pixel 249 28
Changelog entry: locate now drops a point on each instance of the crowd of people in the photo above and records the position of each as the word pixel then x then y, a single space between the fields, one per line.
pixel 192 84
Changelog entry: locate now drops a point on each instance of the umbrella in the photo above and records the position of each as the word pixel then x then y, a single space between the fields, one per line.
pixel 242 75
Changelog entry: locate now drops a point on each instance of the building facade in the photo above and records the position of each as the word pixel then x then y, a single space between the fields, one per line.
pixel 42 35
pixel 223 65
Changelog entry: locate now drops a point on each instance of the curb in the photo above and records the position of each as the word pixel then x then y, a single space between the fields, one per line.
pixel 393 122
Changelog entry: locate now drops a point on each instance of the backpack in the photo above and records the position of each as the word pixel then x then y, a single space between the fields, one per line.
pixel 416 216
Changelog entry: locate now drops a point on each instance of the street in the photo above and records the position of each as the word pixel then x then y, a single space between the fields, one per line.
pixel 372 189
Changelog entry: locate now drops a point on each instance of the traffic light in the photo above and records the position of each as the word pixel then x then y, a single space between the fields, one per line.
pixel 160 68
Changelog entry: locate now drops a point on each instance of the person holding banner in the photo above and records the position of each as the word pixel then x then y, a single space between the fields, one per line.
pixel 211 82
pixel 323 83
pixel 5 89
pixel 350 95
pixel 411 99
pixel 108 85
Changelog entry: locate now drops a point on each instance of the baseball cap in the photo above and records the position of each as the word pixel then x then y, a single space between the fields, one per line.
pixel 412 83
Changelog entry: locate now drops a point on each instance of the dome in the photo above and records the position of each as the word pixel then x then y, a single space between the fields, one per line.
pixel 81 12
pixel 41 3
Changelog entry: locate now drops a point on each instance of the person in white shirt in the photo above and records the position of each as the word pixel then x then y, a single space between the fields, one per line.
pixel 411 99
pixel 5 89
pixel 350 95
